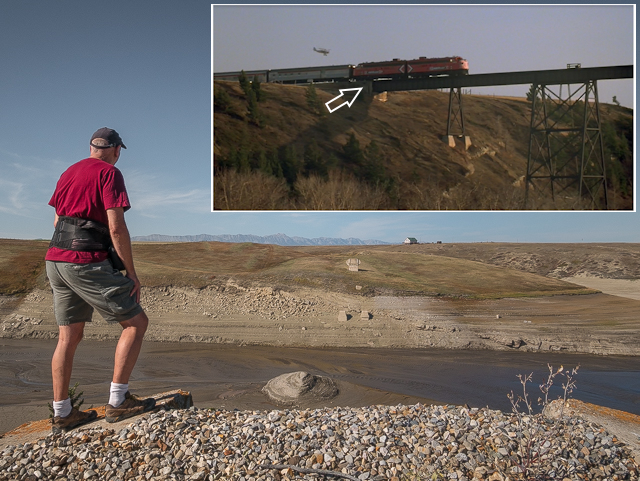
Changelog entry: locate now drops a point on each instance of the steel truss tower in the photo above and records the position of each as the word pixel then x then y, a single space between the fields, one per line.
pixel 455 119
pixel 566 149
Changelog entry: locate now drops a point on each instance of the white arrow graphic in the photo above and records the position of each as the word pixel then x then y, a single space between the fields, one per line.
pixel 347 103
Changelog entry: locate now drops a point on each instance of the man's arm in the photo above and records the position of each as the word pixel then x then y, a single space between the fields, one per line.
pixel 55 221
pixel 122 243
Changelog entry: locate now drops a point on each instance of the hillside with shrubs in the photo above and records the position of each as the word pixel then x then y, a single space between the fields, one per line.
pixel 276 147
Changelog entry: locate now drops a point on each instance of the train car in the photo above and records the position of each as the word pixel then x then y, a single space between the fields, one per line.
pixel 263 75
pixel 310 74
pixel 421 67
pixel 425 67
pixel 395 68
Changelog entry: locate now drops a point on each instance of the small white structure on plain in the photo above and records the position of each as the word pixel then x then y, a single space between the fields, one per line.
pixel 353 264
pixel 410 240
pixel 342 316
pixel 364 315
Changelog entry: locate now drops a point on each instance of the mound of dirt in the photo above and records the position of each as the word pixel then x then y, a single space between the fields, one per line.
pixel 296 387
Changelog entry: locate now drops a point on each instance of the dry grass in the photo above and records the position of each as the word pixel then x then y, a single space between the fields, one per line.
pixel 408 273
pixel 204 263
pixel 21 265
pixel 461 270
pixel 340 191
pixel 250 191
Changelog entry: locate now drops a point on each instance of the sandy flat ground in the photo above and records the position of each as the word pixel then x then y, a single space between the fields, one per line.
pixel 615 287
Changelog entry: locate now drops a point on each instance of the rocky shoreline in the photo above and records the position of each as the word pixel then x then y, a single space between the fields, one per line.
pixel 415 442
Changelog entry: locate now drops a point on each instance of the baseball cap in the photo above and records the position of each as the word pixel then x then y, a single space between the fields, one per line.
pixel 110 136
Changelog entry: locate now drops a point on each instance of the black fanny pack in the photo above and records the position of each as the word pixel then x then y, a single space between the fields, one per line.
pixel 76 234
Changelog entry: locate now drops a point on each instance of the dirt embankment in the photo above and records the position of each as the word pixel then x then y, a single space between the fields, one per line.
pixel 596 323
pixel 560 261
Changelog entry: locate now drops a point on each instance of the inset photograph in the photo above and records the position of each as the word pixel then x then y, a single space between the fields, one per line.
pixel 423 107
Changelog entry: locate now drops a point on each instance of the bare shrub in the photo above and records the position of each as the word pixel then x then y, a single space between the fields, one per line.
pixel 542 200
pixel 249 191
pixel 340 191
pixel 535 433
pixel 420 196
pixel 466 196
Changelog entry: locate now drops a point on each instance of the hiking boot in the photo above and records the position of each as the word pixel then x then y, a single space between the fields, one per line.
pixel 74 419
pixel 132 406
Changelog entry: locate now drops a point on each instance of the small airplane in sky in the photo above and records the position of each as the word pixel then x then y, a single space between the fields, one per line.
pixel 323 51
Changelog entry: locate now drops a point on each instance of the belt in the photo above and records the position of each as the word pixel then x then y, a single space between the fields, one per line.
pixel 77 234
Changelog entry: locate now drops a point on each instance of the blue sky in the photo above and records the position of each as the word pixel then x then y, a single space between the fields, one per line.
pixel 143 68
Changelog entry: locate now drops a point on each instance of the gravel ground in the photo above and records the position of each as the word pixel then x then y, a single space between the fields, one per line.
pixel 414 442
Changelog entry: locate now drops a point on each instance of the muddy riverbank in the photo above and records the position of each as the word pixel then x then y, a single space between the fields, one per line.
pixel 231 377
pixel 602 324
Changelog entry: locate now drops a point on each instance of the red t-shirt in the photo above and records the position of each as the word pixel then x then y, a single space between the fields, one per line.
pixel 86 190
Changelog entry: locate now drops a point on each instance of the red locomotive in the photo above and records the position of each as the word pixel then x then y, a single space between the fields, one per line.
pixel 420 67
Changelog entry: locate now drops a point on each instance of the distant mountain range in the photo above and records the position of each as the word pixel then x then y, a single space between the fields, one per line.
pixel 276 239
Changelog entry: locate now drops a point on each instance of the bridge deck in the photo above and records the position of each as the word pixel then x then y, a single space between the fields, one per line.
pixel 539 77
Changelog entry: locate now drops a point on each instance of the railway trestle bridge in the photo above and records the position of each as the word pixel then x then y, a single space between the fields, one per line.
pixel 566 148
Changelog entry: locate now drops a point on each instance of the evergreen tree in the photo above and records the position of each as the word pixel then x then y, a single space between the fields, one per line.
pixel 255 115
pixel 373 169
pixel 313 101
pixel 331 163
pixel 240 157
pixel 245 85
pixel 274 164
pixel 222 163
pixel 255 86
pixel 531 93
pixel 352 151
pixel 242 161
pixel 619 150
pixel 222 100
pixel 289 163
pixel 313 163
pixel 259 161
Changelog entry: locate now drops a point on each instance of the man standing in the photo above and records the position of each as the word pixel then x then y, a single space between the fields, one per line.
pixel 90 200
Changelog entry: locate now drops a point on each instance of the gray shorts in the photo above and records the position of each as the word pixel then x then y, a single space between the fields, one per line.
pixel 78 289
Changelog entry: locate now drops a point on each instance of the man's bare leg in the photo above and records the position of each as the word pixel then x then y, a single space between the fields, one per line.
pixel 121 405
pixel 62 362
pixel 66 417
pixel 128 347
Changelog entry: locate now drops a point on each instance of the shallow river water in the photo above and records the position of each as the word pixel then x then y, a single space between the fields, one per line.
pixel 478 378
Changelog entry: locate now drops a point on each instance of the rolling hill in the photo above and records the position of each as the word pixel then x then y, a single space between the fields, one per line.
pixel 386 152
pixel 480 270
